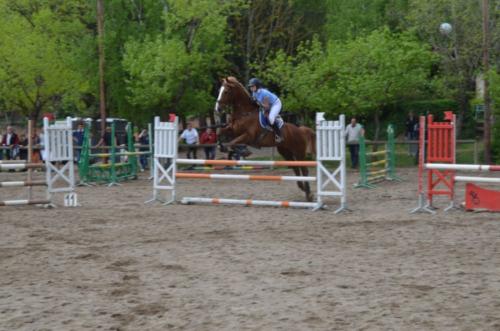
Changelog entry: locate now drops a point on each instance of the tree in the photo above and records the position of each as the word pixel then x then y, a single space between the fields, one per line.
pixel 460 51
pixel 174 71
pixel 380 70
pixel 259 28
pixel 360 76
pixel 38 52
pixel 125 21
pixel 349 19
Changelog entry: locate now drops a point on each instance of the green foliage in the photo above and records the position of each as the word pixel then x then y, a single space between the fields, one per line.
pixel 361 76
pixel 381 69
pixel 259 28
pixel 375 59
pixel 460 52
pixel 39 47
pixel 349 19
pixel 173 71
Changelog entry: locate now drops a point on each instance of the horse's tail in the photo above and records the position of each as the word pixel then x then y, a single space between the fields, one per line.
pixel 310 136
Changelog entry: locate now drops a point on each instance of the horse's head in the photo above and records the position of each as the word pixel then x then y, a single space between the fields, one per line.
pixel 232 94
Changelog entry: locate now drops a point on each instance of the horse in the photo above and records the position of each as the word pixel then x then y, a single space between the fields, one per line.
pixel 245 128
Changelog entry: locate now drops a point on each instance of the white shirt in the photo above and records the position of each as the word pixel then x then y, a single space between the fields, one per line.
pixel 191 136
pixel 353 133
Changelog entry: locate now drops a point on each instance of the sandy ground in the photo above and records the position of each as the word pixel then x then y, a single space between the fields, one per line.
pixel 117 264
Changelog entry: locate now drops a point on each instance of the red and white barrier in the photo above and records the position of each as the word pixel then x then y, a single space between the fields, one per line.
pixel 330 146
pixel 478 198
pixel 441 167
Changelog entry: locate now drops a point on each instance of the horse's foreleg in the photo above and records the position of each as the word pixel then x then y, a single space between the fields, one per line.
pixel 242 139
pixel 224 132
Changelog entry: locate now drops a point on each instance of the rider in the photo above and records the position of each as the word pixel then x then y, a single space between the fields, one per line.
pixel 269 101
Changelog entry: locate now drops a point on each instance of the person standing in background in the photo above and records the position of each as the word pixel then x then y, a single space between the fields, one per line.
pixel 411 133
pixel 209 137
pixel 1 149
pixel 190 136
pixel 143 140
pixel 10 140
pixel 23 147
pixel 78 141
pixel 353 132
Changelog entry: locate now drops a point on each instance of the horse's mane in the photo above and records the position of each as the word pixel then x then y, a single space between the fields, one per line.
pixel 233 82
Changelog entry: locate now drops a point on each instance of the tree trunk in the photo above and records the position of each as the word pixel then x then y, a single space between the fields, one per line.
pixel 376 121
pixel 248 48
pixel 100 37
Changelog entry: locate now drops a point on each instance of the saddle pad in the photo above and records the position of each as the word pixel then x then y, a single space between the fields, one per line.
pixel 264 122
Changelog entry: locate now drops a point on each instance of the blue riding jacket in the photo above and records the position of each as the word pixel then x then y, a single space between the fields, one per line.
pixel 263 93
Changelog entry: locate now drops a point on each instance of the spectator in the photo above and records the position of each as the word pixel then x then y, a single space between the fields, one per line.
pixel 353 132
pixel 11 141
pixel 78 141
pixel 1 147
pixel 190 136
pixel 209 137
pixel 106 141
pixel 23 147
pixel 143 140
pixel 412 133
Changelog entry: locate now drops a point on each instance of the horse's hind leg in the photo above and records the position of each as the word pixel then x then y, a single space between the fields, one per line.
pixel 299 171
pixel 289 157
pixel 307 187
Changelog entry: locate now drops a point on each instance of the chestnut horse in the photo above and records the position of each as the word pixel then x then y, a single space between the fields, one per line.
pixel 244 127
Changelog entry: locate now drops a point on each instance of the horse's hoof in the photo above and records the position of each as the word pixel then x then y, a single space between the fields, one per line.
pixel 310 197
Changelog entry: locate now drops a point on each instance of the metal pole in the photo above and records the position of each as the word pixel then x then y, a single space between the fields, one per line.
pixel 487 101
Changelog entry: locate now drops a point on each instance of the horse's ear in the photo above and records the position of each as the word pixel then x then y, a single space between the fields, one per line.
pixel 222 80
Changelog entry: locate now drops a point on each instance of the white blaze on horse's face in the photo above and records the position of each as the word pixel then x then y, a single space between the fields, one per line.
pixel 217 106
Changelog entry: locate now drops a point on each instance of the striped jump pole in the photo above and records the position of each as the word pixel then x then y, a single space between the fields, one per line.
pixel 21 166
pixel 249 202
pixel 189 175
pixel 490 180
pixel 330 148
pixel 21 183
pixel 12 161
pixel 463 167
pixel 216 168
pixel 248 163
pixel 24 202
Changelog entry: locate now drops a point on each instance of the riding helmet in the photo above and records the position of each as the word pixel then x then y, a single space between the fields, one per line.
pixel 254 82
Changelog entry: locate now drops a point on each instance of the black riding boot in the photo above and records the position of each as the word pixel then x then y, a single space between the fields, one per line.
pixel 278 133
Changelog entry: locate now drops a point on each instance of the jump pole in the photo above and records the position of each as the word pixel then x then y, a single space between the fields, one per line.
pixel 58 140
pixel 330 145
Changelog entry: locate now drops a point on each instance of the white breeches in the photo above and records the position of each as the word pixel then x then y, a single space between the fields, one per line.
pixel 275 110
